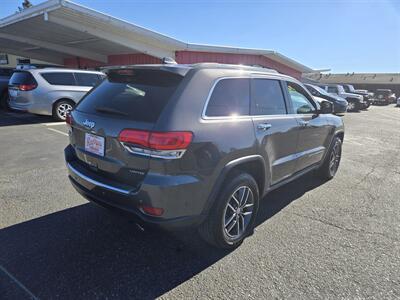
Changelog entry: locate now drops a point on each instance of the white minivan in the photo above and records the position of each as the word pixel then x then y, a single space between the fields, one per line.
pixel 50 91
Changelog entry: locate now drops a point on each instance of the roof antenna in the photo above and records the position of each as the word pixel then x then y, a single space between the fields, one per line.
pixel 168 61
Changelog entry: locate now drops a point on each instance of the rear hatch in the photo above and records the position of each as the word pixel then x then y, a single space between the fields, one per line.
pixel 21 82
pixel 127 99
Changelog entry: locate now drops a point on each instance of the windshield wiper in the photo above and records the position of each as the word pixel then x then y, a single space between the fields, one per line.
pixel 110 111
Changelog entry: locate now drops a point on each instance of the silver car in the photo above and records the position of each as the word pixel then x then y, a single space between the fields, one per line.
pixel 50 91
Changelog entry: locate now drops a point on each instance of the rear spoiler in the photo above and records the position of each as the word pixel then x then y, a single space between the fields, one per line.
pixel 181 70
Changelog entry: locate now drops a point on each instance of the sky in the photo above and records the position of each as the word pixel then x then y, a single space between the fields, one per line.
pixel 344 36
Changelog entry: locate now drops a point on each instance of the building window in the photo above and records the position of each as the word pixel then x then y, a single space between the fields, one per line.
pixel 3 59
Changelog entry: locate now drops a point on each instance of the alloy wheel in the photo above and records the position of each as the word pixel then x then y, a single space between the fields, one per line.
pixel 351 106
pixel 238 212
pixel 63 109
pixel 334 159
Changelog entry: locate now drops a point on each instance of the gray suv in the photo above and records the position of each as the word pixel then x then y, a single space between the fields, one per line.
pixel 50 91
pixel 198 145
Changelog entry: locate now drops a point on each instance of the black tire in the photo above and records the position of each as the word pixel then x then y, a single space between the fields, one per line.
pixel 57 113
pixel 214 228
pixel 4 101
pixel 327 170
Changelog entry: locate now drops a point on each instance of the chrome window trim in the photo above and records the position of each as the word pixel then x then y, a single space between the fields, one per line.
pixel 95 182
pixel 247 117
pixel 163 154
pixel 203 114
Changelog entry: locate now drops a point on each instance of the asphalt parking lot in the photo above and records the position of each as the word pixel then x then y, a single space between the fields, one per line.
pixel 314 239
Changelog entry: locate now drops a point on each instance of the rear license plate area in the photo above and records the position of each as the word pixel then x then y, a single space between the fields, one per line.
pixel 94 144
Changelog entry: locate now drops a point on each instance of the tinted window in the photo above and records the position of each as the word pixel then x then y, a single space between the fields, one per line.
pixel 22 78
pixel 86 79
pixel 346 88
pixel 230 97
pixel 59 78
pixel 300 102
pixel 140 95
pixel 267 97
pixel 332 89
pixel 320 90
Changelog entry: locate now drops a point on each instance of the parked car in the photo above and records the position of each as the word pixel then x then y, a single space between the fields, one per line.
pixel 5 75
pixel 383 96
pixel 350 89
pixel 198 145
pixel 398 102
pixel 392 98
pixel 354 102
pixel 339 103
pixel 50 91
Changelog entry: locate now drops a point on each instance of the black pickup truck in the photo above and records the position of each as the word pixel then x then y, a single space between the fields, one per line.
pixel 5 75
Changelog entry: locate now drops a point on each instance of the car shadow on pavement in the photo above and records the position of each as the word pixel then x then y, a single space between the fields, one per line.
pixel 88 252
pixel 11 118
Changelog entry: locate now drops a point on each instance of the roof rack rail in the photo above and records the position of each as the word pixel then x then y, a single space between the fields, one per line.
pixel 36 66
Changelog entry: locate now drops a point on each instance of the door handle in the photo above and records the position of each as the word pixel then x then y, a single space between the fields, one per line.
pixel 264 126
pixel 303 123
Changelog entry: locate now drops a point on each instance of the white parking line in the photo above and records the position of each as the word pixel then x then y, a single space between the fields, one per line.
pixel 58 131
pixel 53 123
pixel 18 283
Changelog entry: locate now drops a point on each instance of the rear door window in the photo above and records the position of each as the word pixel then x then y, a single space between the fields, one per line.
pixel 59 78
pixel 137 94
pixel 230 97
pixel 332 89
pixel 19 78
pixel 267 97
pixel 87 79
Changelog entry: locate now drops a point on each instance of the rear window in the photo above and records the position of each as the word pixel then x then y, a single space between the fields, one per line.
pixel 87 79
pixel 140 95
pixel 59 78
pixel 22 78
pixel 230 97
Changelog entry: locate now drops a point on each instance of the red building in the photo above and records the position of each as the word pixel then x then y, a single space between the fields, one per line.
pixel 68 34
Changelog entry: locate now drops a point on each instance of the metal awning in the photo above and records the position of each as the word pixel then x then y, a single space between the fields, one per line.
pixel 57 29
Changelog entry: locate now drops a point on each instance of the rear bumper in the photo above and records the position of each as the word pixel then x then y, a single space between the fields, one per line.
pixel 178 200
pixel 32 107
pixel 17 106
pixel 381 100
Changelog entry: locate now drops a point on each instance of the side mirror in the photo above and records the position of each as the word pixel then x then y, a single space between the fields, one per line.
pixel 326 107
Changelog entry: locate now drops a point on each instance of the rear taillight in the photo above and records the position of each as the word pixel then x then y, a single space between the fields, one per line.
pixel 68 119
pixel 136 137
pixel 170 140
pixel 27 87
pixel 157 144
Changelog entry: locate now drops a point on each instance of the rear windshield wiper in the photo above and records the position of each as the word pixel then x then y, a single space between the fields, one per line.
pixel 110 111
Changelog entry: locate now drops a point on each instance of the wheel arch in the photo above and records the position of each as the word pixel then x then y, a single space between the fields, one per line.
pixel 254 165
pixel 340 135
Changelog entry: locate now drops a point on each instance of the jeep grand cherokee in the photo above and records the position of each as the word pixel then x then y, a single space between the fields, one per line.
pixel 198 145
